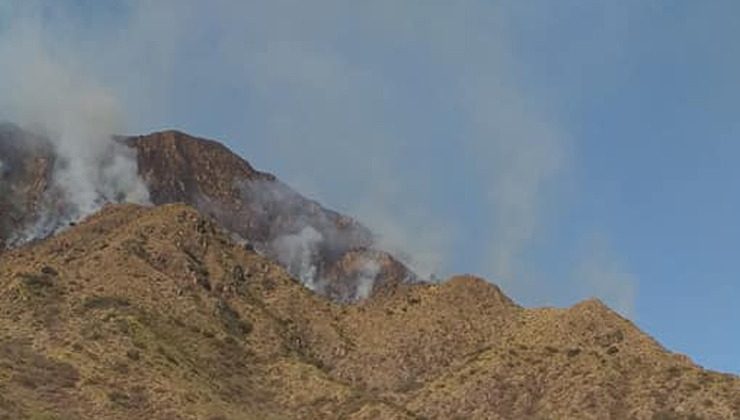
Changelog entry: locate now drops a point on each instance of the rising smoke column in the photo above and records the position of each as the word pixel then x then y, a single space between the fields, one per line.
pixel 366 280
pixel 47 92
pixel 302 236
pixel 299 253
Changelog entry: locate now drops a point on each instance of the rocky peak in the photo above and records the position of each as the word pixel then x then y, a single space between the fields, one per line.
pixel 315 244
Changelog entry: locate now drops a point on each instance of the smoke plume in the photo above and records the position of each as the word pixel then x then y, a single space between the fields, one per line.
pixel 367 276
pixel 299 252
pixel 48 92
pixel 418 118
pixel 303 236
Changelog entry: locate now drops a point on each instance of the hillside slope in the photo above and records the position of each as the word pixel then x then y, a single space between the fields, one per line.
pixel 330 253
pixel 157 313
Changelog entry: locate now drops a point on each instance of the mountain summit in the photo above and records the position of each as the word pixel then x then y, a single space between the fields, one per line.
pixel 231 296
pixel 330 253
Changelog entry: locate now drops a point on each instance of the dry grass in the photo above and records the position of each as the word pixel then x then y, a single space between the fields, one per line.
pixel 154 313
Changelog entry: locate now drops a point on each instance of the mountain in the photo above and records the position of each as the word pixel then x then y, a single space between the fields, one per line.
pixel 331 253
pixel 157 313
pixel 25 168
pixel 191 309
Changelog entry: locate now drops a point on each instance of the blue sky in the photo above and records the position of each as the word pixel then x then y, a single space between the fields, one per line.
pixel 560 149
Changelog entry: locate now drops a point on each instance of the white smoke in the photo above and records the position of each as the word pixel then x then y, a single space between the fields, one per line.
pixel 322 109
pixel 47 92
pixel 298 252
pixel 366 280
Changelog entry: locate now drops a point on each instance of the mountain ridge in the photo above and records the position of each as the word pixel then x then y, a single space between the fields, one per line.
pixel 156 312
pixel 189 309
pixel 330 252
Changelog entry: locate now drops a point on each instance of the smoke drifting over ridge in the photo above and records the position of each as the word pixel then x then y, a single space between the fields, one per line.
pixel 358 128
pixel 298 252
pixel 306 239
pixel 81 185
pixel 47 94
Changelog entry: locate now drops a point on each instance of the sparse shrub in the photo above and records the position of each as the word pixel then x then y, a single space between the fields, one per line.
pixel 573 352
pixel 92 331
pixel 133 354
pixel 105 302
pixel 606 340
pixel 169 357
pixel 693 386
pixel 232 322
pixel 36 283
pixel 674 372
pixel 37 371
pixel 120 367
pixel 135 247
pixel 49 271
pixel 119 399
pixel 238 274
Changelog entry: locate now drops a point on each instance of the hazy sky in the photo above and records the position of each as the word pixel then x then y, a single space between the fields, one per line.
pixel 560 149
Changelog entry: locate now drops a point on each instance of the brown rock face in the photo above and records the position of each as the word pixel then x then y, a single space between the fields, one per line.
pixel 156 313
pixel 25 169
pixel 312 242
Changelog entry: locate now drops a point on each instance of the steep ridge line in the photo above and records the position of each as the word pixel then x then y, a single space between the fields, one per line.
pixel 158 313
pixel 330 253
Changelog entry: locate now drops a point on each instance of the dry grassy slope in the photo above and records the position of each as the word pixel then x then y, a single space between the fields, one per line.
pixel 208 176
pixel 154 313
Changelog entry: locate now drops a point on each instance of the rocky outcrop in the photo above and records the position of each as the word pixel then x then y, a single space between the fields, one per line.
pixel 312 242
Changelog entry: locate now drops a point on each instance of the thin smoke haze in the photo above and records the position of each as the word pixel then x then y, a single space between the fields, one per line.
pixel 52 97
pixel 319 112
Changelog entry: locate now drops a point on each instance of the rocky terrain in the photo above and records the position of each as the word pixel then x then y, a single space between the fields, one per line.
pixel 26 164
pixel 329 252
pixel 188 311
